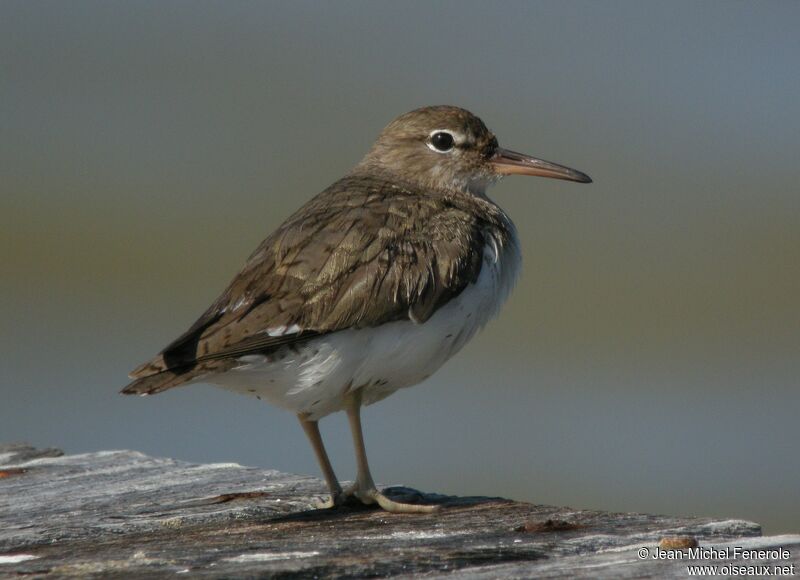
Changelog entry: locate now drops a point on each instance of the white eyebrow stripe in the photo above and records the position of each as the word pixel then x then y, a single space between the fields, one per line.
pixel 457 137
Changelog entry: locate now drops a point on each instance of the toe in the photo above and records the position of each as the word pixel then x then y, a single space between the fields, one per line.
pixel 397 507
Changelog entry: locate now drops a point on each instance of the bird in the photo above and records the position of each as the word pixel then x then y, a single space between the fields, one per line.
pixel 366 289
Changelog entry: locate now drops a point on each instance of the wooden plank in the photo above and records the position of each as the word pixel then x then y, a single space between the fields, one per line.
pixel 121 513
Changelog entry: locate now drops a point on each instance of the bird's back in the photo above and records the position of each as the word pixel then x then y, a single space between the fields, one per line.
pixel 367 251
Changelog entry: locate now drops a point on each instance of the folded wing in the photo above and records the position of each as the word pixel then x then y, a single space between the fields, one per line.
pixel 362 253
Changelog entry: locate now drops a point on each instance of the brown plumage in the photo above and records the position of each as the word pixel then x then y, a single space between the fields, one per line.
pixel 367 250
pixel 363 252
pixel 368 288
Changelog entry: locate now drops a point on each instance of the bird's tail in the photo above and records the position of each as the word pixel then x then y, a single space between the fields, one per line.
pixel 155 383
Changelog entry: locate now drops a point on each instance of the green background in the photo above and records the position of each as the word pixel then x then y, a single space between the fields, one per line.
pixel 649 357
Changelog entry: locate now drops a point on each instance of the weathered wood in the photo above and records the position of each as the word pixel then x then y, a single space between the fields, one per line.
pixel 119 513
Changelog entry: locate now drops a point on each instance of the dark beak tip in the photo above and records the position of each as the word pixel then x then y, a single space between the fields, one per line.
pixel 508 162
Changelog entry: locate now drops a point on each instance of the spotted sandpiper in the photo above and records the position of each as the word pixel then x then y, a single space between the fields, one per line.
pixel 368 288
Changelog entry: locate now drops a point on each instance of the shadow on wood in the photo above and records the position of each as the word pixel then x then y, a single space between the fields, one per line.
pixel 119 513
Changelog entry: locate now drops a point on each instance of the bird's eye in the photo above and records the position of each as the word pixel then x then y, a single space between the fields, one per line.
pixel 441 141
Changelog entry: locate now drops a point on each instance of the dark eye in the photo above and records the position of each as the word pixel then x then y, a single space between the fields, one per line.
pixel 442 141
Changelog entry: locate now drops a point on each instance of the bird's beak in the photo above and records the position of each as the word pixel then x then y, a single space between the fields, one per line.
pixel 508 162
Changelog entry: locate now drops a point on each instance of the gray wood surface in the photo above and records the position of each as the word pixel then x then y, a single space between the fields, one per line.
pixel 122 513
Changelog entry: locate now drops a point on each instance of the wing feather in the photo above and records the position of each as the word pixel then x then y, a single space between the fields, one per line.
pixel 360 254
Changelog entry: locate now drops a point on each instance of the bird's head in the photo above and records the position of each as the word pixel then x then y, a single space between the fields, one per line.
pixel 447 147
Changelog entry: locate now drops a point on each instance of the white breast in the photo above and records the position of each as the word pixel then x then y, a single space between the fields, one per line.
pixel 314 378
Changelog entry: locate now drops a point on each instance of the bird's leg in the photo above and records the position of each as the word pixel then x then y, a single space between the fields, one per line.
pixel 312 431
pixel 364 488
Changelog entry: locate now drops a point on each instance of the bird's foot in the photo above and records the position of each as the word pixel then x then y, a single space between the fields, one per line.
pixel 353 495
pixel 396 507
pixel 339 498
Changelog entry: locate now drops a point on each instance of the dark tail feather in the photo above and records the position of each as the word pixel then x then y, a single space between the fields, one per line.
pixel 157 383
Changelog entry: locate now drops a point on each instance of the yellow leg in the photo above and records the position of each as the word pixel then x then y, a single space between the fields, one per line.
pixel 364 488
pixel 312 431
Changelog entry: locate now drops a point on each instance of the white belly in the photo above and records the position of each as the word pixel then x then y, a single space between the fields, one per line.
pixel 313 378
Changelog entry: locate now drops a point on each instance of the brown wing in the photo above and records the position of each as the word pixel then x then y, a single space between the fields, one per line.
pixel 362 253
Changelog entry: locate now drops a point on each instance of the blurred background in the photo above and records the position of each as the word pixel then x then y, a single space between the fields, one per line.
pixel 649 357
